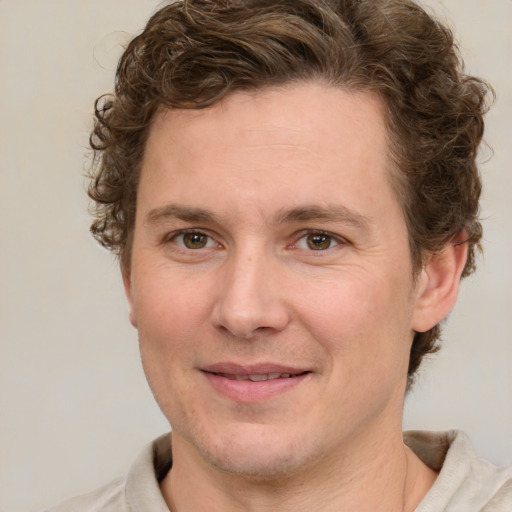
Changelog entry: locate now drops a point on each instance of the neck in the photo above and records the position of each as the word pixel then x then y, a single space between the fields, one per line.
pixel 384 476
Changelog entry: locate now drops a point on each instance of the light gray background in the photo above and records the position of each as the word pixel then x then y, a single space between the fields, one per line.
pixel 75 408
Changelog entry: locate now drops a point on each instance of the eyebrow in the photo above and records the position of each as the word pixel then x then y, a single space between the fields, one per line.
pixel 336 213
pixel 309 213
pixel 184 213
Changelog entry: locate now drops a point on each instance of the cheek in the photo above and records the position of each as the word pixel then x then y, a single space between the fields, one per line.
pixel 347 303
pixel 360 320
pixel 168 323
pixel 170 312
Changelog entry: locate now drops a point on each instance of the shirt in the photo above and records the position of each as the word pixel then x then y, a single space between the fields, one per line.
pixel 466 483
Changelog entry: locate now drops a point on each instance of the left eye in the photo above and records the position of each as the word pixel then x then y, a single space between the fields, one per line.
pixel 317 242
pixel 193 240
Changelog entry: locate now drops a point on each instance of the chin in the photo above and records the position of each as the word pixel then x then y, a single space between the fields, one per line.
pixel 257 465
pixel 254 453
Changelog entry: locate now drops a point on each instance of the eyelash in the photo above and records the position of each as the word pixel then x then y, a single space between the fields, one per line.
pixel 182 233
pixel 319 233
pixel 337 240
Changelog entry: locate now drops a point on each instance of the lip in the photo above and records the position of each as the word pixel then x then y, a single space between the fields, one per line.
pixel 222 377
pixel 251 369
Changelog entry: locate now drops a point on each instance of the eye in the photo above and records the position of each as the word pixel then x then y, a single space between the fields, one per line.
pixel 317 241
pixel 193 240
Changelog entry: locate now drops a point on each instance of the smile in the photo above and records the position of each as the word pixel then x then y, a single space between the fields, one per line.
pixel 260 377
pixel 253 383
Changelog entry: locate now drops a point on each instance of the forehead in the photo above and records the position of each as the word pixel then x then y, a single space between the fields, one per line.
pixel 290 145
pixel 288 112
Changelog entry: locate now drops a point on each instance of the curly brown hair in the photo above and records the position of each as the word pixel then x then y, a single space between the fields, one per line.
pixel 192 53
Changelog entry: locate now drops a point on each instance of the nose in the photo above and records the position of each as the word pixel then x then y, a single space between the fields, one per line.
pixel 250 299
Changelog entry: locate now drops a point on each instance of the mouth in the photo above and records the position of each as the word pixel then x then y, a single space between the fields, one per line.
pixel 253 383
pixel 259 377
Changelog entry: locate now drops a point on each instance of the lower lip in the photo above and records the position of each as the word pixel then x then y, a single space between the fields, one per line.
pixel 247 391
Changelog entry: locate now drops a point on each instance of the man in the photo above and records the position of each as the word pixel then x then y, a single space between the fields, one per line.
pixel 291 189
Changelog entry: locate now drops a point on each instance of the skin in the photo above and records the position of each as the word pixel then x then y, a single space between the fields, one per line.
pixel 268 239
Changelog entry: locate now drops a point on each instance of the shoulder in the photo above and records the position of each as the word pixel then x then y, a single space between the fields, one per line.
pixel 465 480
pixel 109 498
pixel 139 490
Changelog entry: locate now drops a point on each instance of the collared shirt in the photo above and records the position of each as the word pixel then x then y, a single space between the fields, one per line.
pixel 465 483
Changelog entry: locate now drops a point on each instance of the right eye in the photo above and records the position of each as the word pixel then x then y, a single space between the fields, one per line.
pixel 193 240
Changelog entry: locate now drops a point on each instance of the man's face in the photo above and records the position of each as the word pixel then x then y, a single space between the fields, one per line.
pixel 271 279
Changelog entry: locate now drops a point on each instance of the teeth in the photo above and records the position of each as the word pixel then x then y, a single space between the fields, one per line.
pixel 257 378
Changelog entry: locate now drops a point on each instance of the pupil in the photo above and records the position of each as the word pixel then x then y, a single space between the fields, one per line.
pixel 194 240
pixel 318 242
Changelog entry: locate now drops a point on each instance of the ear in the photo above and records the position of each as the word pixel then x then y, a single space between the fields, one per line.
pixel 128 290
pixel 438 284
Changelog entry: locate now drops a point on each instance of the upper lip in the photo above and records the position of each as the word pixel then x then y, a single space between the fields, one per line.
pixel 252 369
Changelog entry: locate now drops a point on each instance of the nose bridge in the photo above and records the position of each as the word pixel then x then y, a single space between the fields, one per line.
pixel 250 299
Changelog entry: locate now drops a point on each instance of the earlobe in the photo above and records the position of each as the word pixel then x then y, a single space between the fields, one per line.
pixel 438 284
pixel 127 282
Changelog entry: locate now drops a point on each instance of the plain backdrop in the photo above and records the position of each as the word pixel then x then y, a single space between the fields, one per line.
pixel 74 405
